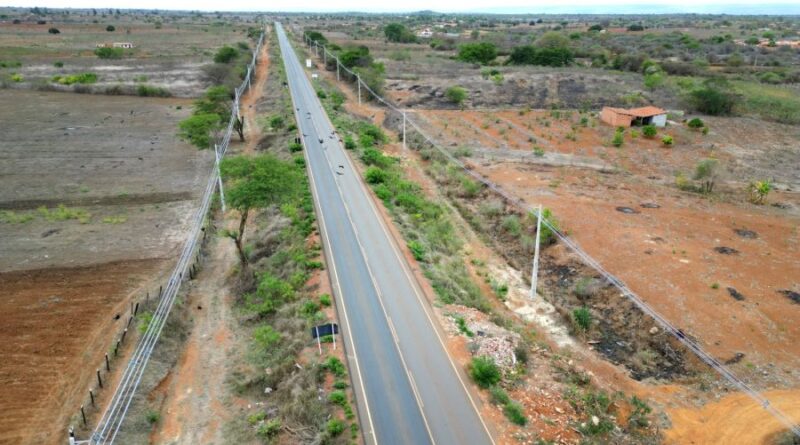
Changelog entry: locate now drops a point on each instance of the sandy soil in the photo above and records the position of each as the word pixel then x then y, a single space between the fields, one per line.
pixel 250 100
pixel 197 395
pixel 114 157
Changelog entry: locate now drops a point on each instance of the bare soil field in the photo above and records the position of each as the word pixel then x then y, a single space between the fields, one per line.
pixel 175 67
pixel 97 193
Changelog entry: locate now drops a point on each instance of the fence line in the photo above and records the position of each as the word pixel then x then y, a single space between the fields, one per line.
pixel 665 324
pixel 109 425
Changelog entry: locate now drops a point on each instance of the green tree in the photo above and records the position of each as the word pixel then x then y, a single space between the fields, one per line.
pixel 553 40
pixel 317 37
pixel 456 94
pixel 218 100
pixel 483 52
pixel 397 32
pixel 110 28
pixel 226 54
pixel 198 128
pixel 484 371
pixel 258 182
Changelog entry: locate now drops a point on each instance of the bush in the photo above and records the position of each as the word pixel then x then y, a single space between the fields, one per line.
pixel 265 337
pixel 110 28
pixel 649 131
pixel 715 97
pixel 582 318
pixel 58 64
pixel 759 190
pixel 375 175
pixel 109 53
pixel 667 140
pixel 349 143
pixel 321 94
pixel 335 366
pixel 151 91
pixel 269 429
pixel 618 139
pixel 417 250
pixel 338 397
pixel 397 32
pixel 498 395
pixel 483 52
pixel 456 94
pixel 152 416
pixel 276 122
pixel 53 31
pixel 82 78
pixel 530 55
pixel 325 300
pixel 294 147
pixel 463 328
pixel 16 77
pixel 695 123
pixel 335 427
pixel 226 54
pixel 484 371
pixel 514 413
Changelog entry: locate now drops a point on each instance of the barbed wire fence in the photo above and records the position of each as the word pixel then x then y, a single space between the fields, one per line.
pixel 419 139
pixel 109 425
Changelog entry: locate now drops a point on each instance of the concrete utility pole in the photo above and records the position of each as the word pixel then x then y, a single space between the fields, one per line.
pixel 337 69
pixel 535 271
pixel 325 57
pixel 358 80
pixel 219 179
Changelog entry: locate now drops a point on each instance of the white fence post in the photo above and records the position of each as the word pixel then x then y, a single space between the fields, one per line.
pixel 535 271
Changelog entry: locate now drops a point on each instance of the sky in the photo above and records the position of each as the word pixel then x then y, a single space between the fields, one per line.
pixel 782 7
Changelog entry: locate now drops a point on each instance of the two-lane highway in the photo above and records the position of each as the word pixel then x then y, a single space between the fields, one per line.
pixel 409 390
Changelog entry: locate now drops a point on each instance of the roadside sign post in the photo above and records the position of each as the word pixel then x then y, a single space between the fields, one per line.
pixel 535 272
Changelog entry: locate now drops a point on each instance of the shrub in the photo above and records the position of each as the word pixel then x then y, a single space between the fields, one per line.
pixel 618 139
pixel 226 54
pixel 325 300
pixel 110 28
pixel 269 429
pixel 759 190
pixel 338 397
pixel 484 371
pixel 294 147
pixel 463 328
pixel 417 250
pixel 109 53
pixel 667 140
pixel 498 395
pixel 531 55
pixel 483 52
pixel 715 97
pixel 514 413
pixel 649 131
pixel 456 94
pixel 375 175
pixel 58 64
pixel 706 171
pixel 397 32
pixel 321 94
pixel 582 318
pixel 16 77
pixel 53 31
pixel 83 78
pixel 695 123
pixel 266 337
pixel 335 366
pixel 349 143
pixel 335 427
pixel 151 91
pixel 276 122
pixel 152 416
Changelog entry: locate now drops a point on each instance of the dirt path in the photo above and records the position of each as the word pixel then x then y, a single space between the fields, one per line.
pixel 252 132
pixel 197 396
pixel 735 419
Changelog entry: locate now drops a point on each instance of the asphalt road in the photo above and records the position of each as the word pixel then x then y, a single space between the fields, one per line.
pixel 408 388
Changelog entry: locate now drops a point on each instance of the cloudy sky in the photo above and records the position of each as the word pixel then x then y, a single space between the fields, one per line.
pixel 499 6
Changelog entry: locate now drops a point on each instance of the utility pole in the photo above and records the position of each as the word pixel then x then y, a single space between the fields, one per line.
pixel 535 271
pixel 358 80
pixel 325 57
pixel 337 69
pixel 219 179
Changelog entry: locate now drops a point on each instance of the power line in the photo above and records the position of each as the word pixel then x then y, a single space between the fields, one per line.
pixel 619 284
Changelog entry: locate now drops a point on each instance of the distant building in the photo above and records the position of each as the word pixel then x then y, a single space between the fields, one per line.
pixel 127 45
pixel 621 117
pixel 425 33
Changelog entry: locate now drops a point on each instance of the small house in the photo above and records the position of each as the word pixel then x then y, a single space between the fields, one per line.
pixel 425 33
pixel 622 117
pixel 126 45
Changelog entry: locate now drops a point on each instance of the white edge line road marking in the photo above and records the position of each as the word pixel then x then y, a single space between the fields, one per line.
pixel 415 283
pixel 378 290
pixel 329 255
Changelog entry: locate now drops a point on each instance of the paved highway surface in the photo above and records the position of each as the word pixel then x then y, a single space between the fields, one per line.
pixel 408 388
